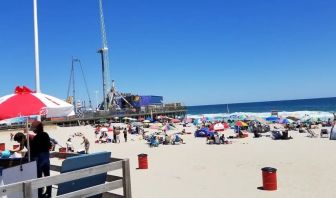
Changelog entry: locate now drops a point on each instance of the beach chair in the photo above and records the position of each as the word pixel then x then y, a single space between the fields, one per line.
pixel 324 133
pixel 312 134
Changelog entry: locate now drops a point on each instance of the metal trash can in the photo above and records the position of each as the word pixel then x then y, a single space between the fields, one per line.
pixel 269 178
pixel 142 160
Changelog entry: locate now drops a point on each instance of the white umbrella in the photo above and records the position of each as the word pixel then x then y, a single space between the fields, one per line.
pixel 218 127
pixel 103 129
pixel 146 121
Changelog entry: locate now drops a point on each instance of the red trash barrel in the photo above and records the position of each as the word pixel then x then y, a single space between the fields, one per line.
pixel 269 178
pixel 2 146
pixel 142 159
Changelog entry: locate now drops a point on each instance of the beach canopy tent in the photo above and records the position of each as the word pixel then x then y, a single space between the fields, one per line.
pixel 272 119
pixel 203 132
pixel 25 102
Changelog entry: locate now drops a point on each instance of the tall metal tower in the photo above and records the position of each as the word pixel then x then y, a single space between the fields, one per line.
pixel 104 57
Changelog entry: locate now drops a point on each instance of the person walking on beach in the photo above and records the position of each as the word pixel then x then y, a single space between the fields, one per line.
pixel 125 134
pixel 40 153
pixel 11 136
pixel 86 144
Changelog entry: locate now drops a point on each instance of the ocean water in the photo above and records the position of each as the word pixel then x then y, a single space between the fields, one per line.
pixel 320 108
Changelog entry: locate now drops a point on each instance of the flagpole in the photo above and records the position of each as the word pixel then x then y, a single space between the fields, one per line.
pixel 37 61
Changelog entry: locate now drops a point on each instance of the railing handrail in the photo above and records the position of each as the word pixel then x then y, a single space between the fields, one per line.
pixel 26 187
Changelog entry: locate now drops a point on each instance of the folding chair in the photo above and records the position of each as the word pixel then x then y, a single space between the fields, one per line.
pixel 312 134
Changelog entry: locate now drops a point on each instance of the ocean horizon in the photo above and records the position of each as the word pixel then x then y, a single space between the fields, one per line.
pixel 322 105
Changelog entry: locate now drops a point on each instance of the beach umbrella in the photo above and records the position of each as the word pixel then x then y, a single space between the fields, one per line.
pixel 125 118
pixel 226 125
pixel 167 127
pixel 104 129
pixel 154 126
pixel 146 121
pixel 137 123
pixel 234 117
pixel 175 120
pixel 261 120
pixel 286 121
pixel 218 127
pixel 293 118
pixel 241 124
pixel 197 121
pixel 187 120
pixel 242 117
pixel 25 102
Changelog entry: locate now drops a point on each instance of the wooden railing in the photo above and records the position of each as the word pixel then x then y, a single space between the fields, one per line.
pixel 112 182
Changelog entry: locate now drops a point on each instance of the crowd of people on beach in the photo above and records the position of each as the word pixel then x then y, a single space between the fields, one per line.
pixel 261 128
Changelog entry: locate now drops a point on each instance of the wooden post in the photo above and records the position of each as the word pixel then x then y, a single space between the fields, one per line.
pixel 126 179
pixel 27 190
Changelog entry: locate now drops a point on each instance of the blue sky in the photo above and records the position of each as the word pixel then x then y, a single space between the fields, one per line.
pixel 197 52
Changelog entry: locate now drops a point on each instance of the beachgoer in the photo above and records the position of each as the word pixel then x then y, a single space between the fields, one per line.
pixel 11 136
pixel 40 152
pixel 86 144
pixel 21 138
pixel 216 139
pixel 222 139
pixel 69 145
pixel 53 144
pixel 125 134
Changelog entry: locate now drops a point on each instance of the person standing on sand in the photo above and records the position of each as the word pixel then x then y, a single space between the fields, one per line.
pixel 86 144
pixel 125 134
pixel 40 153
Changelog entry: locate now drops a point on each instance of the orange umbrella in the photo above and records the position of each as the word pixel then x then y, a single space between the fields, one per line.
pixel 241 123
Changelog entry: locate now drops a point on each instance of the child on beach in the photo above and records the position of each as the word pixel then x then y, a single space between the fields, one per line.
pixel 86 144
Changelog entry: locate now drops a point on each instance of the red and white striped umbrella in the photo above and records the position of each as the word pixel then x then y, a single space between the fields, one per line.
pixel 25 102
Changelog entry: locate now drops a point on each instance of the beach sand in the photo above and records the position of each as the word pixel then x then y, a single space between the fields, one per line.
pixel 195 169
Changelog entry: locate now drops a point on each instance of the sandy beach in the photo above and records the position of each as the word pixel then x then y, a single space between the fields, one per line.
pixel 196 169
